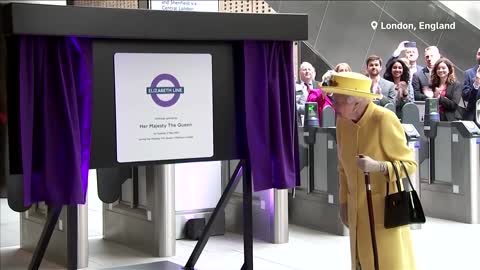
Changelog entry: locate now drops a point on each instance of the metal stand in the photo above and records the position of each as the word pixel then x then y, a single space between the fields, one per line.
pixel 72 220
pixel 242 167
pixel 247 218
pixel 432 161
pixel 72 237
pixel 311 168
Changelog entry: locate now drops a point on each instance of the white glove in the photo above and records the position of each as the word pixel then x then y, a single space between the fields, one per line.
pixel 367 164
pixel 400 48
pixel 427 91
pixel 327 76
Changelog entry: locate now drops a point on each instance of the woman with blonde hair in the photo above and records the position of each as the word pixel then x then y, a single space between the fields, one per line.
pixel 343 67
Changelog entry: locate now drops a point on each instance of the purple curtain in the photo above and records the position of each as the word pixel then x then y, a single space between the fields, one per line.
pixel 55 118
pixel 270 114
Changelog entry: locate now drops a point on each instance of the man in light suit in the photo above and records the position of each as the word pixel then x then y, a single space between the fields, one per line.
pixel 304 85
pixel 470 92
pixel 384 88
pixel 421 79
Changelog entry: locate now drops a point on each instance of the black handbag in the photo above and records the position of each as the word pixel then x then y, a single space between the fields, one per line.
pixel 403 207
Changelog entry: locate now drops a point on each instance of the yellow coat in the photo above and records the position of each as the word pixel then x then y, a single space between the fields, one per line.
pixel 380 136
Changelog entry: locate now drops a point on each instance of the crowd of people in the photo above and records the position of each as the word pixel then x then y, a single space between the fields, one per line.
pixel 371 141
pixel 404 80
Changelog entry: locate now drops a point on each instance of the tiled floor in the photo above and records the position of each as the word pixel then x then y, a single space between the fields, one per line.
pixel 439 245
pixel 9 225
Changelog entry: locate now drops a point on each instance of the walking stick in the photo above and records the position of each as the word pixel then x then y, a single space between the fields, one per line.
pixel 371 219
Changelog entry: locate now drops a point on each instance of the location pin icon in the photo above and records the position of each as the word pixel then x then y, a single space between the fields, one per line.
pixel 374 24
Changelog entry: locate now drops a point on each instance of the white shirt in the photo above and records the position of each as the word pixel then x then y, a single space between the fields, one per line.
pixel 413 69
pixel 475 85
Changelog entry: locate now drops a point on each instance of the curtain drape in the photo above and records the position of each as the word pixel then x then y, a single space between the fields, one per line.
pixel 55 118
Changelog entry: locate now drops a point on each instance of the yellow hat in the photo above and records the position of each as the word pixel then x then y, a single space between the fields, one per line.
pixel 350 84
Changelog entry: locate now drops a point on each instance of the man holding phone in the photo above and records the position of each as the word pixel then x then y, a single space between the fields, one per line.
pixel 471 84
pixel 411 53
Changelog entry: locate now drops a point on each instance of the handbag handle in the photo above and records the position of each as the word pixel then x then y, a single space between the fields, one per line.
pixel 397 182
pixel 408 177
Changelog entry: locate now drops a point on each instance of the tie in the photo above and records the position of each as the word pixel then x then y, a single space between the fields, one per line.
pixel 308 87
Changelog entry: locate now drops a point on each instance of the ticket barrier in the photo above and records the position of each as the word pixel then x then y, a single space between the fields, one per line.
pixel 270 212
pixel 153 207
pixel 143 215
pixel 410 122
pixel 391 107
pixel 413 141
pixel 453 191
pixel 315 204
pixel 449 176
pixel 271 208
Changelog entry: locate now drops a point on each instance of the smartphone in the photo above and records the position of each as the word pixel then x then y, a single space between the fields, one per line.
pixel 410 44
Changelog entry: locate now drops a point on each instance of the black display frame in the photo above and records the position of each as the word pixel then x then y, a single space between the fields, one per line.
pixel 103 25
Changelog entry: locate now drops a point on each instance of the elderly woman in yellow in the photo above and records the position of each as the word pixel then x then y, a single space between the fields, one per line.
pixel 370 139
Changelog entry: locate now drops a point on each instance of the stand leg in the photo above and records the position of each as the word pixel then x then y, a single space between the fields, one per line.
pixel 47 232
pixel 311 168
pixel 229 189
pixel 247 218
pixel 432 161
pixel 134 203
pixel 72 237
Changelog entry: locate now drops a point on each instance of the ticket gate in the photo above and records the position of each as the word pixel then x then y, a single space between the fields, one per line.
pixel 451 191
pixel 156 203
pixel 143 217
pixel 270 212
pixel 391 107
pixel 411 115
pixel 315 203
pixel 413 141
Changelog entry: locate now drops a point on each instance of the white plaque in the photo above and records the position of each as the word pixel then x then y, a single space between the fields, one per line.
pixel 164 106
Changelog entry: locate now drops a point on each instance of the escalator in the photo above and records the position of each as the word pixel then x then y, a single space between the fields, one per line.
pixel 341 31
pixel 468 10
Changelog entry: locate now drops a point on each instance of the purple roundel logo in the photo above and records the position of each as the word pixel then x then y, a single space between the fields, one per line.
pixel 156 91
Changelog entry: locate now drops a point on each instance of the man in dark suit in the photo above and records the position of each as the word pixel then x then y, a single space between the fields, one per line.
pixel 421 78
pixel 411 53
pixel 304 85
pixel 470 91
